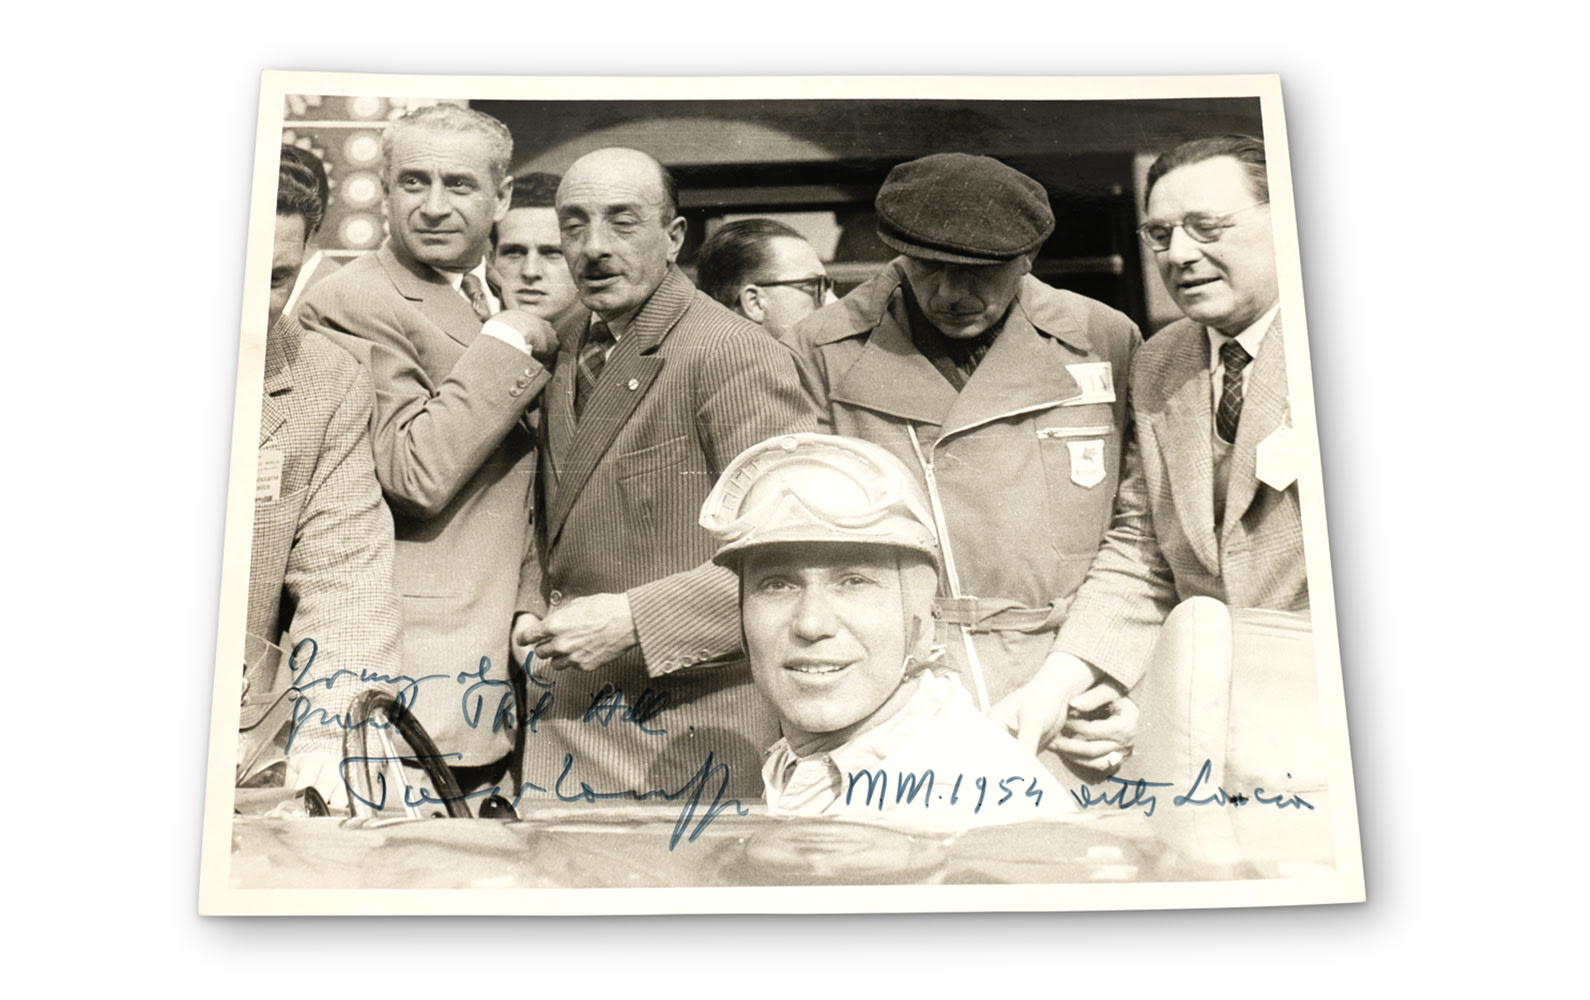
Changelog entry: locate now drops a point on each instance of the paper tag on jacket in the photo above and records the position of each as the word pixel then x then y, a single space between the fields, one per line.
pixel 1087 463
pixel 268 484
pixel 1276 459
pixel 1097 381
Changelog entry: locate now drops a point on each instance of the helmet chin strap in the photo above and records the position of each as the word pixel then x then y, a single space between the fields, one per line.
pixel 918 584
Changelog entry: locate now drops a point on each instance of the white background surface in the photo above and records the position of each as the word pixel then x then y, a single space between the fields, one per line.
pixel 1440 204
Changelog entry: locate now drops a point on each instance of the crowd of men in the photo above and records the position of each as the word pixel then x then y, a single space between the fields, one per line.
pixel 488 448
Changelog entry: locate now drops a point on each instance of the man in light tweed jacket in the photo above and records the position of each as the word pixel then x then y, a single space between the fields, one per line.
pixel 321 564
pixel 1214 509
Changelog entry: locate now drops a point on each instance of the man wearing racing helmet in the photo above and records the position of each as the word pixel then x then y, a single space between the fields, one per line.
pixel 838 563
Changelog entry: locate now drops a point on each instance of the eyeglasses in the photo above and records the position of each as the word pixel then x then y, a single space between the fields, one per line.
pixel 817 286
pixel 1201 226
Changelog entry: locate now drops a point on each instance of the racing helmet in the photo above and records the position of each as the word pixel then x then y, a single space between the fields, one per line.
pixel 817 488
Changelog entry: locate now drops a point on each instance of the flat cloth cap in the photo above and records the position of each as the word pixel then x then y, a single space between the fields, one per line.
pixel 962 209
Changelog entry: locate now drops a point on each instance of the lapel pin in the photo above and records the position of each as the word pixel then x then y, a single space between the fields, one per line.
pixel 634 384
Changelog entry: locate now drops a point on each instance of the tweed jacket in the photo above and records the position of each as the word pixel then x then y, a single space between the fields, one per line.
pixel 321 563
pixel 1025 457
pixel 1162 547
pixel 457 466
pixel 688 387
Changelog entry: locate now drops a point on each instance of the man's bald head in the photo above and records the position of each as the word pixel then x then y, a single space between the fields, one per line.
pixel 631 163
pixel 618 217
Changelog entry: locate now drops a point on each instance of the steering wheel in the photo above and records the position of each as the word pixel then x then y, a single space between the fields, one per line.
pixel 358 743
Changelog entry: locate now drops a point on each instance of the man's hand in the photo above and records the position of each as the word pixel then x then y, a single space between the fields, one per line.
pixel 539 337
pixel 522 639
pixel 1098 733
pixel 583 634
pixel 1035 713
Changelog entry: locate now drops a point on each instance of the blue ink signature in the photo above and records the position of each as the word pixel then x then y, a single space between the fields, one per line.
pixel 1130 794
pixel 690 793
pixel 908 785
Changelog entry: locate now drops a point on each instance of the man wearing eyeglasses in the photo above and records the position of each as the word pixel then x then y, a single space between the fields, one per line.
pixel 1008 399
pixel 1215 511
pixel 766 272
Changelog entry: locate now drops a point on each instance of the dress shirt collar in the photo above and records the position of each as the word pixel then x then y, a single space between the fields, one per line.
pixel 1250 339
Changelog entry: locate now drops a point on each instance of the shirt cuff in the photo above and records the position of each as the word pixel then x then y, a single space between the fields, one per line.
pixel 505 333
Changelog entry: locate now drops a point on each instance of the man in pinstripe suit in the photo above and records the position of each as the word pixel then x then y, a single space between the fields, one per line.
pixel 645 409
pixel 1214 509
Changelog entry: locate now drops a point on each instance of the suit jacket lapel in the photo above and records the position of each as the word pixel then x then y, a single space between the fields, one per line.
pixel 625 380
pixel 1182 431
pixel 557 402
pixel 279 343
pixel 433 295
pixel 1264 408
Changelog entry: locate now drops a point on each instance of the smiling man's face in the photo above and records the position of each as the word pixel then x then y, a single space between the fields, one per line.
pixel 825 629
pixel 1230 283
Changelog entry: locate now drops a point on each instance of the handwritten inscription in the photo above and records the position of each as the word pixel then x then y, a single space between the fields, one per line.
pixel 925 788
pixel 1138 793
pixel 484 701
pixel 301 666
pixel 489 701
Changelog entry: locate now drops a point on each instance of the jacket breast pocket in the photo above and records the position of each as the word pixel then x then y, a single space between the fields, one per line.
pixel 1080 450
pixel 657 478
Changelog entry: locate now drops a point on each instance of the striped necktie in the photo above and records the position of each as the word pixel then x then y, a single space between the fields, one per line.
pixel 591 361
pixel 1234 358
pixel 475 292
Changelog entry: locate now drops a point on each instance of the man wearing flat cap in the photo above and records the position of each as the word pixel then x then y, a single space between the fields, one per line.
pixel 1007 398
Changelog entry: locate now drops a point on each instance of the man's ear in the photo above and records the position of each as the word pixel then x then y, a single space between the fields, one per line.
pixel 676 237
pixel 752 304
pixel 504 199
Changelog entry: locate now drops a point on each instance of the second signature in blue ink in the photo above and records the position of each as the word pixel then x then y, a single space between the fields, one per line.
pixel 1127 793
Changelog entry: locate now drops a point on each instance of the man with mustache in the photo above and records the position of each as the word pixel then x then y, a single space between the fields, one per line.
pixel 1006 398
pixel 453 380
pixel 1215 512
pixel 634 631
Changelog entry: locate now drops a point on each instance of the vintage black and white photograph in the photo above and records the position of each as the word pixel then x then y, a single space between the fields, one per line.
pixel 760 495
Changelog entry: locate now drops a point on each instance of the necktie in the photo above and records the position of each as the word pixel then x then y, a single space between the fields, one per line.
pixel 1235 359
pixel 475 292
pixel 592 358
